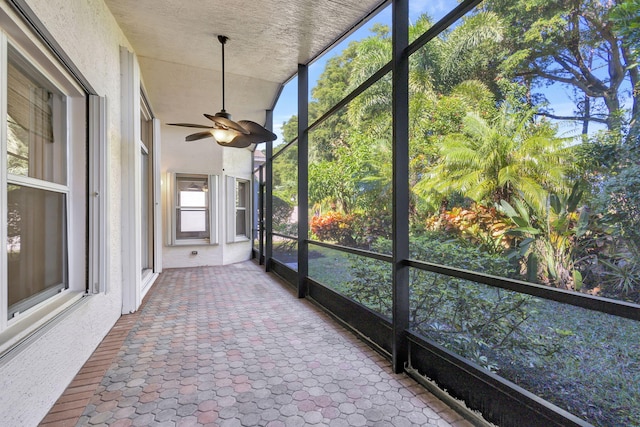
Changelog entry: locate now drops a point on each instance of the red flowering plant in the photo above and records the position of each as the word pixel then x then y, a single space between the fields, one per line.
pixel 333 226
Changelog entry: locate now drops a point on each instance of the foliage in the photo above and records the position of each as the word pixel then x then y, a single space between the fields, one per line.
pixel 357 179
pixel 571 43
pixel 626 18
pixel 331 87
pixel 332 182
pixel 546 238
pixel 281 215
pixel 609 249
pixel 470 51
pixel 432 117
pixel 473 320
pixel 285 174
pixel 483 226
pixel 370 54
pixel 473 50
pixel 621 275
pixel 359 229
pixel 333 226
pixel 290 129
pixel 368 228
pixel 498 158
pixel 620 196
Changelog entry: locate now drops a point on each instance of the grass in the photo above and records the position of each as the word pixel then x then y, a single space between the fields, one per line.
pixel 330 267
pixel 594 372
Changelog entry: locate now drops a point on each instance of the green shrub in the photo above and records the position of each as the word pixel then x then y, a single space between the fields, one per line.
pixel 474 320
pixel 282 211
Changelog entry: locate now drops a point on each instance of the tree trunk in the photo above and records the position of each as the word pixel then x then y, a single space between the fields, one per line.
pixel 587 115
pixel 614 118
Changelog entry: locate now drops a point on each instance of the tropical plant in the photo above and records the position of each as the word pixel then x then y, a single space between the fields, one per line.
pixel 334 227
pixel 480 225
pixel 468 52
pixel 614 235
pixel 546 238
pixel 506 156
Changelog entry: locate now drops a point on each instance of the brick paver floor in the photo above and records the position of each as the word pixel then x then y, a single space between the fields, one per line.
pixel 233 346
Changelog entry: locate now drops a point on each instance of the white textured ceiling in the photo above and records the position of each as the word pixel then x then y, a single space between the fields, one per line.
pixel 180 56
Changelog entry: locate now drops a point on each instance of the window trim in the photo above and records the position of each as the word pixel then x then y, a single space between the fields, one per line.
pixel 147 196
pixel 98 196
pixel 212 200
pixel 4 210
pixel 233 208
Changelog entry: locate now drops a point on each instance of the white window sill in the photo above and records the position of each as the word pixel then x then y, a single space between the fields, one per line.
pixel 240 239
pixel 27 324
pixel 193 243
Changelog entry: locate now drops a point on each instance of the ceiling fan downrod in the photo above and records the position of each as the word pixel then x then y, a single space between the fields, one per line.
pixel 223 41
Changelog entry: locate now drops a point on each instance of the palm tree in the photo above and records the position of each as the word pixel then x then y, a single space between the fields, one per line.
pixel 493 160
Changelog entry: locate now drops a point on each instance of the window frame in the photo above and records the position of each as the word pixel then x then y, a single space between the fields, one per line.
pixel 147 183
pixel 59 115
pixel 211 208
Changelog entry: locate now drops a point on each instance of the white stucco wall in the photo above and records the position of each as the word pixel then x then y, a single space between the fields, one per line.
pixel 237 163
pixel 33 379
pixel 202 157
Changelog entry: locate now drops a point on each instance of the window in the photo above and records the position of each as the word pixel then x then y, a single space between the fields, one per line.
pixel 37 190
pixel 194 218
pixel 241 208
pixel 146 186
pixel 238 203
pixel 36 140
pixel 44 224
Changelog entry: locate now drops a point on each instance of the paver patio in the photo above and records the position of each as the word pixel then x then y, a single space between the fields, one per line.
pixel 233 346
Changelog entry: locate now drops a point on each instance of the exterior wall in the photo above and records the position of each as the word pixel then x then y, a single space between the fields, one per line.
pixel 34 375
pixel 203 157
pixel 237 163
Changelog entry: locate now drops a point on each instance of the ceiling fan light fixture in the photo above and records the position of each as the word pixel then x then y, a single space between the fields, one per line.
pixel 224 136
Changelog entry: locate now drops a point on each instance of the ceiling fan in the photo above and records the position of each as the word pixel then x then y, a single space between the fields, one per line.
pixel 225 131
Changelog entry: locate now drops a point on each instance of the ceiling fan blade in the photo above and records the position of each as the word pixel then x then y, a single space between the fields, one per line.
pixel 259 133
pixel 243 141
pixel 240 141
pixel 226 123
pixel 199 135
pixel 190 125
